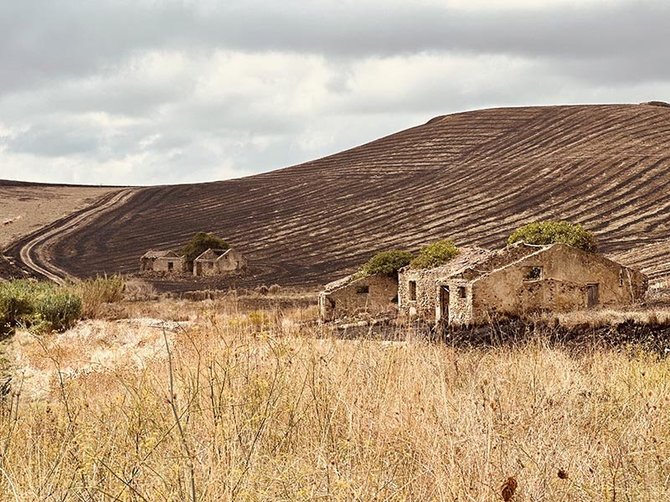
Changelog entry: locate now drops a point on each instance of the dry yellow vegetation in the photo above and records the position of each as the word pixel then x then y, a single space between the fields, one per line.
pixel 220 404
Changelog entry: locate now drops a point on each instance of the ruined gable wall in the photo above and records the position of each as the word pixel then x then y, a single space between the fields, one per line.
pixel 231 262
pixel 350 300
pixel 565 273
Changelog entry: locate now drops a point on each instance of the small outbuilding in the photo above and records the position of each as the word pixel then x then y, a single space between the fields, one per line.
pixel 162 261
pixel 352 296
pixel 218 262
pixel 517 280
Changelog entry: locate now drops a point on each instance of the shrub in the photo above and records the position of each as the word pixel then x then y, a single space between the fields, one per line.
pixel 201 242
pixel 15 304
pixel 59 310
pixel 550 232
pixel 37 305
pixel 435 254
pixel 97 292
pixel 274 289
pixel 386 263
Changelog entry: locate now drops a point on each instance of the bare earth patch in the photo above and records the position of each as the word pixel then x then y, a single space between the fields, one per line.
pixel 25 208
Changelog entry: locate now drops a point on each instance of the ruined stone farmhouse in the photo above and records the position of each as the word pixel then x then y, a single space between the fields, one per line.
pixel 374 295
pixel 517 280
pixel 218 262
pixel 162 261
pixel 478 284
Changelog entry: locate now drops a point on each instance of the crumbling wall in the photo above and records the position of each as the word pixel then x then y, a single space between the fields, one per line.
pixel 423 307
pixel 562 285
pixel 374 295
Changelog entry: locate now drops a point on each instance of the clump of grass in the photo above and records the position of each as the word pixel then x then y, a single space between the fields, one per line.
pixel 95 293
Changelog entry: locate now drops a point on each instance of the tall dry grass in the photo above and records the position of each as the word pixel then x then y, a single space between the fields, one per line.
pixel 256 407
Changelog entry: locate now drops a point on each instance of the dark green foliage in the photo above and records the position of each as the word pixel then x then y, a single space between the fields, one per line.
pixel 37 305
pixel 550 232
pixel 386 263
pixel 201 242
pixel 435 254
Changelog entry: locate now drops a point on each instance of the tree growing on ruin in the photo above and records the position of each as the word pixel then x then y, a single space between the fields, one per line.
pixel 435 254
pixel 201 242
pixel 550 232
pixel 386 263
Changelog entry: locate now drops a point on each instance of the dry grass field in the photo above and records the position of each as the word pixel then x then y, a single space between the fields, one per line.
pixel 206 401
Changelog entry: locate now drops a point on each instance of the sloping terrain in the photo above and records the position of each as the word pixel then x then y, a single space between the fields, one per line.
pixel 26 207
pixel 471 176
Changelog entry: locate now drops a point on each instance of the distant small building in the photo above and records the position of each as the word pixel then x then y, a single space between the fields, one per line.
pixel 517 280
pixel 218 262
pixel 373 295
pixel 162 261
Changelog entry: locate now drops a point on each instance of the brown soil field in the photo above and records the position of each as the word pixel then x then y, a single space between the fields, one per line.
pixel 26 207
pixel 472 177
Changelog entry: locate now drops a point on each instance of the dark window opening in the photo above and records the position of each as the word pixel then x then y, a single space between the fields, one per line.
pixel 363 290
pixel 533 274
pixel 412 291
pixel 461 292
pixel 170 266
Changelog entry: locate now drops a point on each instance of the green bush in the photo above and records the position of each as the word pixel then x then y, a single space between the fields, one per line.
pixel 59 310
pixel 386 263
pixel 435 254
pixel 37 304
pixel 15 304
pixel 201 242
pixel 550 232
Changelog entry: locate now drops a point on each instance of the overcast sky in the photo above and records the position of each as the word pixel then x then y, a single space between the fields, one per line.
pixel 153 92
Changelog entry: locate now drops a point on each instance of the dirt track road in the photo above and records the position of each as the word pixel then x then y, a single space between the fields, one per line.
pixel 31 252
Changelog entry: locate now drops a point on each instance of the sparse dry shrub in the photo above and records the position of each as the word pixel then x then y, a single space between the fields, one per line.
pixel 274 289
pixel 136 290
pixel 262 290
pixel 95 293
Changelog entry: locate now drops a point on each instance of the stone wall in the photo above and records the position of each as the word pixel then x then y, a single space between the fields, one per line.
pixel 562 285
pixel 426 292
pixel 372 296
pixel 162 264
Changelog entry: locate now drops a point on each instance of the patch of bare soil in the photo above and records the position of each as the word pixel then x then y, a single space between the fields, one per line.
pixel 25 208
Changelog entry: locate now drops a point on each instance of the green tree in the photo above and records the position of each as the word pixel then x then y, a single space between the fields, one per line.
pixel 550 232
pixel 435 254
pixel 201 242
pixel 386 262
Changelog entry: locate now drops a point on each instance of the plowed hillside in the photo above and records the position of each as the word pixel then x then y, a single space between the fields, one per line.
pixel 471 176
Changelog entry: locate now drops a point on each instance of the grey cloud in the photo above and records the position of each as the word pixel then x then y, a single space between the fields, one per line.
pixel 40 40
pixel 52 142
